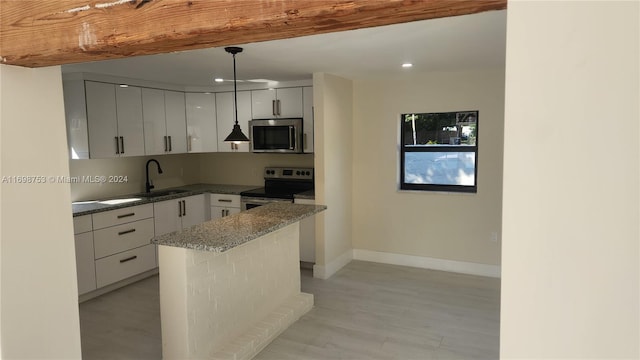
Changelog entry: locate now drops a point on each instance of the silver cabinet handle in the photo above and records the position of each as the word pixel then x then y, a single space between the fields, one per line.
pixel 169 143
pixel 179 208
pixel 227 211
pixel 117 146
pixel 225 200
pixel 279 112
pixel 184 208
pixel 273 107
pixel 222 213
pixel 126 232
pixel 165 142
pixel 122 144
pixel 126 215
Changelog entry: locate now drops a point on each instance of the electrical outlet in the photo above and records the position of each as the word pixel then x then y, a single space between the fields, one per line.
pixel 494 237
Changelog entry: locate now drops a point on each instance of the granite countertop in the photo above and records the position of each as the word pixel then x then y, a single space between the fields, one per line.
pixel 95 206
pixel 223 234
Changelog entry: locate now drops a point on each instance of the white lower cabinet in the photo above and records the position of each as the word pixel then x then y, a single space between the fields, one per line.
pixel 85 263
pixel 224 205
pixel 113 245
pixel 174 215
pixel 122 265
pixel 307 234
pixel 123 237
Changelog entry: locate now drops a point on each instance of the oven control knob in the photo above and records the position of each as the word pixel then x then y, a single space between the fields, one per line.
pixel 297 172
pixel 308 173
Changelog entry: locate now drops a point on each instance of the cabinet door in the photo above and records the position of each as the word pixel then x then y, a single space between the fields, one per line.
pixel 263 104
pixel 155 129
pixel 226 119
pixel 176 121
pixel 289 102
pixel 307 123
pixel 102 120
pixel 202 134
pixel 194 210
pixel 85 263
pixel 165 217
pixel 75 111
pixel 129 113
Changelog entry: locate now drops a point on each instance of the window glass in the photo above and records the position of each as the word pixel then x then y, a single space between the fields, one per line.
pixel 439 151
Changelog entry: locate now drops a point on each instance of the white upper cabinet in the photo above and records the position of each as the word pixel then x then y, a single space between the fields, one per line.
pixel 164 122
pixel 226 119
pixel 202 135
pixel 174 105
pixel 307 103
pixel 114 116
pixel 129 114
pixel 281 103
pixel 102 121
pixel 75 111
pixel 155 132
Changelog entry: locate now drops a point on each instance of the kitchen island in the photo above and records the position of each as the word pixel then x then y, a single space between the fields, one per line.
pixel 229 286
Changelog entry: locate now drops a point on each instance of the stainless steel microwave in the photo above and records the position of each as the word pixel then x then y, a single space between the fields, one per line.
pixel 276 135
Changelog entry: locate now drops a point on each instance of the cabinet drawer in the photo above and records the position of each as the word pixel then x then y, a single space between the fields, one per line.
pixel 225 200
pixel 82 224
pixel 123 237
pixel 126 264
pixel 121 216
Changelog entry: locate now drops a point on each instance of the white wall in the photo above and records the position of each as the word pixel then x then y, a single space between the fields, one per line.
pixel 437 225
pixel 570 255
pixel 333 131
pixel 38 284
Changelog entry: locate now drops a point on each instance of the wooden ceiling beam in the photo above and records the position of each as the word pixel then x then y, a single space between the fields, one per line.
pixel 35 33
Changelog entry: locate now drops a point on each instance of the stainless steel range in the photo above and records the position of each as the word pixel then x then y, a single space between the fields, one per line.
pixel 280 184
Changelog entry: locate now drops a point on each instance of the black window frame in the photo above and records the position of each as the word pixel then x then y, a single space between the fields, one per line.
pixel 435 148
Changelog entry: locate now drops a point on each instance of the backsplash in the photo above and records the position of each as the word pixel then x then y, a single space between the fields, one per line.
pixel 245 168
pixel 178 170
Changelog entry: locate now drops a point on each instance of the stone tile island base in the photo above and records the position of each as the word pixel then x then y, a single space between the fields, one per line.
pixel 230 305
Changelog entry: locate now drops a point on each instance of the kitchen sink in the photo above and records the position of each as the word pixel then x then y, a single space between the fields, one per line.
pixel 154 194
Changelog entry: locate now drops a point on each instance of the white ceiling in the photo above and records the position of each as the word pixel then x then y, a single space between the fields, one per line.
pixel 449 44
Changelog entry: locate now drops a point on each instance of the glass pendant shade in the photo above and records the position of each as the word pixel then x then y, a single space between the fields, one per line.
pixel 236 136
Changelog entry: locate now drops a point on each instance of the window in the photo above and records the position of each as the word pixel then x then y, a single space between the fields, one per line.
pixel 439 151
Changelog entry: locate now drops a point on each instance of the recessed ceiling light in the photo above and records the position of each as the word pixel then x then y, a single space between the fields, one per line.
pixel 407 65
pixel 218 79
pixel 124 85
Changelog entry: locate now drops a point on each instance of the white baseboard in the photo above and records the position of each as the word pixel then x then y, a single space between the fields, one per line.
pixel 427 263
pixel 326 271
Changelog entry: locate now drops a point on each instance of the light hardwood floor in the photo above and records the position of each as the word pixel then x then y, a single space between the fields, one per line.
pixel 365 311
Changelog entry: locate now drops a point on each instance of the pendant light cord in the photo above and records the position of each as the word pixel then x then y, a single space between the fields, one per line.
pixel 235 88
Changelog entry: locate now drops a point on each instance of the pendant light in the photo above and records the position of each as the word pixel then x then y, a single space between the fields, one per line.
pixel 236 135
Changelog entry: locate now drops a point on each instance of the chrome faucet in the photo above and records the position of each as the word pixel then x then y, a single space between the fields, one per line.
pixel 148 185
